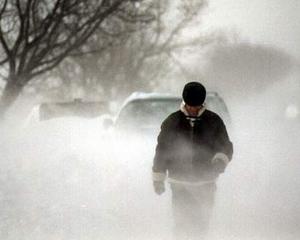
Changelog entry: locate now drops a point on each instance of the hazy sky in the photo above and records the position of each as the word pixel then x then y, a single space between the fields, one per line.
pixel 275 22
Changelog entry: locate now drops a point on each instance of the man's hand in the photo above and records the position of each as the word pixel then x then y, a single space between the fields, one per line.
pixel 159 187
pixel 219 162
pixel 218 165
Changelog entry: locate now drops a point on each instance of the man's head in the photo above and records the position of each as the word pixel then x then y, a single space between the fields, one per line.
pixel 193 95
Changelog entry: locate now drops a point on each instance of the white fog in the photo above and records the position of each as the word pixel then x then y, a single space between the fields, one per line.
pixel 75 178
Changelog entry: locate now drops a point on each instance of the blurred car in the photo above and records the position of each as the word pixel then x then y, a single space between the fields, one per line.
pixel 64 132
pixel 76 108
pixel 144 112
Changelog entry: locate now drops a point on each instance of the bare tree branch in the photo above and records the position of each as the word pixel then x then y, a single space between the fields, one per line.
pixel 4 43
pixel 81 34
pixel 2 10
pixel 3 61
pixel 41 34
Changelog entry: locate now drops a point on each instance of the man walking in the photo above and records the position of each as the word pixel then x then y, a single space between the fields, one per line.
pixel 193 148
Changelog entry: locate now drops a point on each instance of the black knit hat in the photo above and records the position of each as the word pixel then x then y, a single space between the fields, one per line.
pixel 194 94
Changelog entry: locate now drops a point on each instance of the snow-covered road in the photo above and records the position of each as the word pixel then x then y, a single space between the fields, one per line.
pixel 68 179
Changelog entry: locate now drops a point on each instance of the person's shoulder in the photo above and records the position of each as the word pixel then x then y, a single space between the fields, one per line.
pixel 211 115
pixel 175 115
pixel 172 119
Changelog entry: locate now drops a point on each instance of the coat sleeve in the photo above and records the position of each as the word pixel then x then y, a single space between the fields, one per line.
pixel 162 153
pixel 223 145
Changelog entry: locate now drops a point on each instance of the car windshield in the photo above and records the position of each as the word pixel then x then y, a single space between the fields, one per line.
pixel 151 112
pixel 147 112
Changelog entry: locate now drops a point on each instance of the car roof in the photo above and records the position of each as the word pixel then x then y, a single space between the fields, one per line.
pixel 79 108
pixel 156 96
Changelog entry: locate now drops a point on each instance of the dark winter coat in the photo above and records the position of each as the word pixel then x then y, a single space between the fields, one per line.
pixel 186 151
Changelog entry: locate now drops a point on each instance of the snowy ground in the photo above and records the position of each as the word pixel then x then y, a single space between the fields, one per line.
pixel 67 179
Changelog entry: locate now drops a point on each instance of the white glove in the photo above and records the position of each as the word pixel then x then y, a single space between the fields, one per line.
pixel 159 187
pixel 219 162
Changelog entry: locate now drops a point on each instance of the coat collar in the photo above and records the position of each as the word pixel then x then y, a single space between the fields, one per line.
pixel 183 109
